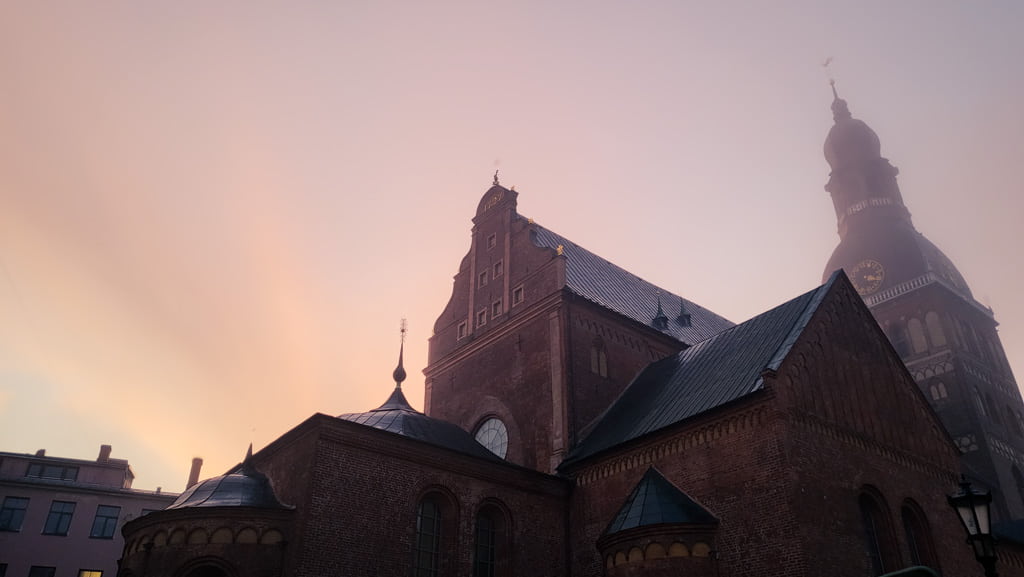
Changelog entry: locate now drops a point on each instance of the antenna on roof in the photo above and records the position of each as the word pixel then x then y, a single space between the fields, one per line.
pixel 399 373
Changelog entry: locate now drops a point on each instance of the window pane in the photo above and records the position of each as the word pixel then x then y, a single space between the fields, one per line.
pixel 59 519
pixel 13 513
pixel 105 523
pixel 428 539
pixel 483 554
pixel 88 573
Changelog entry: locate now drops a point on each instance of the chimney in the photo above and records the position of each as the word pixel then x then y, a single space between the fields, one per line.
pixel 193 475
pixel 41 453
pixel 104 454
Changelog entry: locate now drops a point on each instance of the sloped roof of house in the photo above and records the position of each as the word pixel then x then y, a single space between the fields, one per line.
pixel 603 283
pixel 656 501
pixel 711 373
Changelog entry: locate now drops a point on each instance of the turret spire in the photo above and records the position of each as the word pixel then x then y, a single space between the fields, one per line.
pixel 399 373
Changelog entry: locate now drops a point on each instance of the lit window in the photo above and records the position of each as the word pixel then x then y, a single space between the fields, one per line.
pixel 482 281
pixel 517 295
pixel 427 546
pixel 499 269
pixel 462 330
pixel 37 571
pixel 105 523
pixel 491 241
pixel 89 573
pixel 59 519
pixel 481 317
pixel 13 513
pixel 496 308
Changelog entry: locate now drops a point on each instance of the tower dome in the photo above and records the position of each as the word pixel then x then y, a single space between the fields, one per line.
pixel 850 142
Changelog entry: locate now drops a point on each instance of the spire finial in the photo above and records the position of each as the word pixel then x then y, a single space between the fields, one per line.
pixel 684 317
pixel 660 320
pixel 496 183
pixel 248 454
pixel 399 373
pixel 832 83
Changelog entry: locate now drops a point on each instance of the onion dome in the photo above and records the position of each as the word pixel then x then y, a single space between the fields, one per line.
pixel 850 142
pixel 245 488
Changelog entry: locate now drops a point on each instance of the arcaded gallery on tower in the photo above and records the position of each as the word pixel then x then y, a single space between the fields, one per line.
pixel 581 421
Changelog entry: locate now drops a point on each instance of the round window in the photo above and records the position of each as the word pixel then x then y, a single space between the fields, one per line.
pixel 493 435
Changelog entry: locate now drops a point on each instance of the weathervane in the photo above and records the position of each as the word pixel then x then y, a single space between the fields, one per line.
pixel 831 80
pixel 495 178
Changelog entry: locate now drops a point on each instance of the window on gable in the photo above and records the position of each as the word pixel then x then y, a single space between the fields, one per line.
pixel 517 295
pixel 427 545
pixel 461 331
pixel 598 358
pixel 482 279
pixel 499 269
pixel 481 317
pixel 13 513
pixel 491 241
pixel 59 519
pixel 105 522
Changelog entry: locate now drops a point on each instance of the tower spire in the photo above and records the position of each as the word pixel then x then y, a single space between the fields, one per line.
pixel 399 373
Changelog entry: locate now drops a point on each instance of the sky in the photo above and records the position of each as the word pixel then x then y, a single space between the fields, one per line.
pixel 214 215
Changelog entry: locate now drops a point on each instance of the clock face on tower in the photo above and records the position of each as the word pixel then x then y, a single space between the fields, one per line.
pixel 867 276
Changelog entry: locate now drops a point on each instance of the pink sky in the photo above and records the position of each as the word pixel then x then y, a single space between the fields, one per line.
pixel 213 215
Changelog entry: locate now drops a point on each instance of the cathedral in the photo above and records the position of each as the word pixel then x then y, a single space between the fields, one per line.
pixel 581 421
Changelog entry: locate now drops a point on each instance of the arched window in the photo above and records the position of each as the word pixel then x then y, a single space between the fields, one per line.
pixel 427 546
pixel 938 336
pixel 917 338
pixel 598 358
pixel 919 538
pixel 898 337
pixel 878 541
pixel 490 546
pixel 979 404
pixel 938 391
pixel 992 410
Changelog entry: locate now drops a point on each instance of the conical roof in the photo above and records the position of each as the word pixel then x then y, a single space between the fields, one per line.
pixel 656 501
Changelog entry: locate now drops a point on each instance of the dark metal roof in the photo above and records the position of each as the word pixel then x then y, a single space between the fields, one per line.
pixel 612 287
pixel 397 416
pixel 245 488
pixel 716 371
pixel 656 501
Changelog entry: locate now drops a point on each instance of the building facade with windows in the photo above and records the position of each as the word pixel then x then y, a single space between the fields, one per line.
pixel 62 517
pixel 597 425
pixel 948 340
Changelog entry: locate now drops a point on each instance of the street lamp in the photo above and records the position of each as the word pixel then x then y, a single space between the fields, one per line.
pixel 973 509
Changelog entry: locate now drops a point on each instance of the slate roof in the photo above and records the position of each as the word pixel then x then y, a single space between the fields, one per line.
pixel 716 371
pixel 612 287
pixel 656 501
pixel 245 488
pixel 397 416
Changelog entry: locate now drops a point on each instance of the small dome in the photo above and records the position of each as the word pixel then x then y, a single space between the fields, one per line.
pixel 246 488
pixel 850 142
pixel 396 416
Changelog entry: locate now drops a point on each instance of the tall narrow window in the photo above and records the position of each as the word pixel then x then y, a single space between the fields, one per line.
pixel 483 551
pixel 499 269
pixel 938 391
pixel 59 519
pixel 919 539
pixel 517 295
pixel 898 337
pixel 917 338
pixel 931 320
pixel 878 540
pixel 13 513
pixel 105 522
pixel 428 538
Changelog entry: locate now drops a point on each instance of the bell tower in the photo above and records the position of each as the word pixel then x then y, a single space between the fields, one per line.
pixel 946 338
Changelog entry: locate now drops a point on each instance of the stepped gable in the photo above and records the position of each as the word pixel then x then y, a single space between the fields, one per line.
pixel 656 501
pixel 603 283
pixel 719 370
